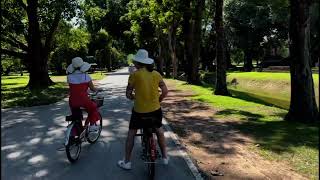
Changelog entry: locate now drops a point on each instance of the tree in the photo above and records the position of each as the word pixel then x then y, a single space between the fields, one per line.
pixel 208 46
pixel 221 84
pixel 29 30
pixel 155 27
pixel 250 21
pixel 107 14
pixel 101 43
pixel 68 43
pixel 315 32
pixel 197 41
pixel 188 38
pixel 303 105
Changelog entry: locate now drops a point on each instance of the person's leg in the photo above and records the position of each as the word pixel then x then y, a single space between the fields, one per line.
pixel 161 141
pixel 129 144
pixel 93 113
pixel 125 163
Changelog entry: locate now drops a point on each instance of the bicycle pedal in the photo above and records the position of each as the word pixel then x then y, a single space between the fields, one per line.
pixel 62 148
pixel 149 162
pixel 143 157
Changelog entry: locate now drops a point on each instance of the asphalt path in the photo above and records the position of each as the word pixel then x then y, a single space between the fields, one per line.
pixel 32 142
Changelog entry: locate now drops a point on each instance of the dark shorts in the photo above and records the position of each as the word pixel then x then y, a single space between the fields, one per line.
pixel 146 120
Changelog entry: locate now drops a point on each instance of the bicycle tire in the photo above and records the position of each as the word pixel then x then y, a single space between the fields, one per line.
pixel 151 158
pixel 73 142
pixel 91 141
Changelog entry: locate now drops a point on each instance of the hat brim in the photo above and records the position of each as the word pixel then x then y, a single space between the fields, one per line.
pixel 70 69
pixel 143 61
pixel 85 67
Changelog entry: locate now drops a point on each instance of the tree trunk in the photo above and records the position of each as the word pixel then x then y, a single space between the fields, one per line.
pixel 37 55
pixel 197 42
pixel 248 60
pixel 204 58
pixel 161 55
pixel 172 48
pixel 212 50
pixel 109 62
pixel 168 63
pixel 221 85
pixel 303 105
pixel 228 55
pixel 188 38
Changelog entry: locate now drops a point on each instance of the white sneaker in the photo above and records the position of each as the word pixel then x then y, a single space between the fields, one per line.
pixel 123 165
pixel 94 128
pixel 165 161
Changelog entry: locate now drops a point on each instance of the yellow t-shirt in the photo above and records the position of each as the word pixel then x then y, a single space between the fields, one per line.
pixel 146 88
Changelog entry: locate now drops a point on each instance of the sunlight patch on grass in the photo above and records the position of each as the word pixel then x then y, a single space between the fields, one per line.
pixel 272 88
pixel 98 75
pixel 14 92
pixel 265 76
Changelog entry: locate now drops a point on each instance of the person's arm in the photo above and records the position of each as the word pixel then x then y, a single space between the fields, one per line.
pixel 129 92
pixel 164 90
pixel 91 86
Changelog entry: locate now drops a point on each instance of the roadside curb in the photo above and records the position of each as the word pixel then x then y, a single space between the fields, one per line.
pixel 181 151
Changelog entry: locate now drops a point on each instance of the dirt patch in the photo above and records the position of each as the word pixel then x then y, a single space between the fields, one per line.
pixel 217 149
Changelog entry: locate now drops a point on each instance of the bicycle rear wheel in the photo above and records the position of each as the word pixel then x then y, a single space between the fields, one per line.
pixel 73 148
pixel 151 149
pixel 92 137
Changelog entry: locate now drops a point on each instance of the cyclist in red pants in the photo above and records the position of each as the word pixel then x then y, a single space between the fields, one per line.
pixel 79 83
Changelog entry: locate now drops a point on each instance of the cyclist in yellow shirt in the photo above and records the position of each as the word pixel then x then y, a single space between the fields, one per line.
pixel 145 83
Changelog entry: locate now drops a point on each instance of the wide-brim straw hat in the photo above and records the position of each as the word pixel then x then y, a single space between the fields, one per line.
pixel 77 62
pixel 142 57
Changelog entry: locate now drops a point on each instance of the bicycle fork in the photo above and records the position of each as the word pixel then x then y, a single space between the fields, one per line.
pixel 69 131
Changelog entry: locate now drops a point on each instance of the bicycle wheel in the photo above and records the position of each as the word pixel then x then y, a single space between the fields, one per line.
pixel 73 148
pixel 151 149
pixel 92 137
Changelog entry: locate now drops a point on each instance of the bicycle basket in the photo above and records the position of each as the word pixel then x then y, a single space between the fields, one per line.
pixel 98 101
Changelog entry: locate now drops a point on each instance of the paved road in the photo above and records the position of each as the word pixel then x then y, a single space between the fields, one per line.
pixel 31 136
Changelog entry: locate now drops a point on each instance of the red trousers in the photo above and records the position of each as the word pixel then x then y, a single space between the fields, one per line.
pixel 90 107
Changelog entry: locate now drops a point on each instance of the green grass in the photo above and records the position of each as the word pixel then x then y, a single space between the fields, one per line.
pixel 271 88
pixel 279 140
pixel 98 75
pixel 266 76
pixel 14 92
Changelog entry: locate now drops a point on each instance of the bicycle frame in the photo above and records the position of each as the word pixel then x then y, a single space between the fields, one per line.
pixel 77 119
pixel 69 129
pixel 149 137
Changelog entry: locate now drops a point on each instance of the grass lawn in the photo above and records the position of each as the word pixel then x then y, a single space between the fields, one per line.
pixel 265 87
pixel 97 75
pixel 15 94
pixel 294 143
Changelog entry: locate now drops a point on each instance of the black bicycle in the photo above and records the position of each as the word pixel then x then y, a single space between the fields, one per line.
pixel 77 132
pixel 149 148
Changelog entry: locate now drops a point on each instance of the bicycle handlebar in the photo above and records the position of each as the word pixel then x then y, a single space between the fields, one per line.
pixel 96 92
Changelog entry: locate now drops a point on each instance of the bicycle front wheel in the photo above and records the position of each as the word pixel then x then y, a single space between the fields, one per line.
pixel 92 137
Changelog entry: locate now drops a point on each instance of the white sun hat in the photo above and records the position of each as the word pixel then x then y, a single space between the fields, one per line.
pixel 142 57
pixel 77 62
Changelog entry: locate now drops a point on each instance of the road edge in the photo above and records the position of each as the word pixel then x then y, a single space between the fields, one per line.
pixel 181 151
